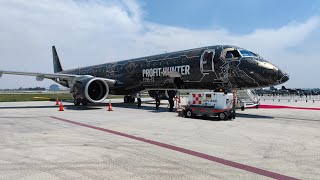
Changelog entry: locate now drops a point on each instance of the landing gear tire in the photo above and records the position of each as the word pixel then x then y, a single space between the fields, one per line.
pixel 188 113
pixel 76 102
pixel 126 99
pixel 139 102
pixel 132 100
pixel 223 116
pixel 84 103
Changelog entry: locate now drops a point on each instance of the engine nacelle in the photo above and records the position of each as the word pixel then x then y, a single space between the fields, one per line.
pixel 163 94
pixel 90 89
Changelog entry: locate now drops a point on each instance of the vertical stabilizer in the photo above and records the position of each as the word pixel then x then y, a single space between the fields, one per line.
pixel 56 62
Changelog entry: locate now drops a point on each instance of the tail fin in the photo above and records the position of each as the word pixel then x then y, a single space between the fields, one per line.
pixel 56 62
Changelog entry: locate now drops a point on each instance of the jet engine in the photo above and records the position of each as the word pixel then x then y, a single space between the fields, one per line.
pixel 89 89
pixel 163 94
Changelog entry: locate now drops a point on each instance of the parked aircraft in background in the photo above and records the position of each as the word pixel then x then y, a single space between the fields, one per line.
pixel 214 67
pixel 287 91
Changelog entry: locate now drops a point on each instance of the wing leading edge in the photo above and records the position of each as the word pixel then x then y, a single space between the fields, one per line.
pixel 55 77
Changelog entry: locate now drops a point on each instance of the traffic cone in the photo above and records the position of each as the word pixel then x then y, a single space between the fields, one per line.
pixel 110 106
pixel 57 102
pixel 61 106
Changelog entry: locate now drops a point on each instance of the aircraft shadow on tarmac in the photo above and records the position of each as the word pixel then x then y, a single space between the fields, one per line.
pixel 67 107
pixel 28 107
pixel 134 106
pixel 165 109
pixel 88 107
pixel 96 106
pixel 81 108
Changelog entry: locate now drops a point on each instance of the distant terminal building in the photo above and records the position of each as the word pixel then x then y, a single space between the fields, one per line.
pixel 54 87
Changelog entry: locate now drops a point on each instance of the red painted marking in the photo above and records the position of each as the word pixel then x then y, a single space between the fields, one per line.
pixel 214 110
pixel 186 151
pixel 203 110
pixel 193 95
pixel 217 110
pixel 199 102
pixel 266 106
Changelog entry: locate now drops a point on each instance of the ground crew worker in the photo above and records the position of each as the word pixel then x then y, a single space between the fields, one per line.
pixel 157 99
pixel 171 95
pixel 139 99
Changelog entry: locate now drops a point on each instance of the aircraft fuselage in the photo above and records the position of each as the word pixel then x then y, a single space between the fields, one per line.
pixel 209 67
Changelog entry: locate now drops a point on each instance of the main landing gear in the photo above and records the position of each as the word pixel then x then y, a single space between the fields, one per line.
pixel 77 102
pixel 131 99
pixel 128 99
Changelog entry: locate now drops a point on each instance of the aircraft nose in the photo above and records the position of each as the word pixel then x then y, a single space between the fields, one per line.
pixel 282 76
pixel 278 76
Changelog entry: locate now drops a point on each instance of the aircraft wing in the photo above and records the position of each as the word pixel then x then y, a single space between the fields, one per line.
pixel 54 76
pixel 40 75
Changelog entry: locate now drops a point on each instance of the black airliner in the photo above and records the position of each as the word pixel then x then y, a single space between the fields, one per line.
pixel 214 67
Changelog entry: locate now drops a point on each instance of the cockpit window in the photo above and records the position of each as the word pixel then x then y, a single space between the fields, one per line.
pixel 230 54
pixel 246 53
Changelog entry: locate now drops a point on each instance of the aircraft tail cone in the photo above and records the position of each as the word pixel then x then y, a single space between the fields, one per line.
pixel 110 106
pixel 61 106
pixel 57 102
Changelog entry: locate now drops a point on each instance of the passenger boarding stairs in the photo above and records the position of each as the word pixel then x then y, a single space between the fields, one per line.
pixel 246 98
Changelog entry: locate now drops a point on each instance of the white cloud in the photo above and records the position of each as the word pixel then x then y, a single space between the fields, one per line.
pixel 94 32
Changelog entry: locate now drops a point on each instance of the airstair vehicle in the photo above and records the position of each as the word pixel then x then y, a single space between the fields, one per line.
pixel 247 99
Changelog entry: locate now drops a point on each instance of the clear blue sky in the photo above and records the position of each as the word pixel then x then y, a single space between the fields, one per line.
pixel 242 16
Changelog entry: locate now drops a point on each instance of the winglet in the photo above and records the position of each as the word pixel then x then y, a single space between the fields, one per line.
pixel 56 62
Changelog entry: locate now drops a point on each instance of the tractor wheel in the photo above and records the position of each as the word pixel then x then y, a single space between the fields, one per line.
pixel 189 113
pixel 223 116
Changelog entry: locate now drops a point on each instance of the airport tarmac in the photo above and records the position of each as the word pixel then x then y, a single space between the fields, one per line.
pixel 39 142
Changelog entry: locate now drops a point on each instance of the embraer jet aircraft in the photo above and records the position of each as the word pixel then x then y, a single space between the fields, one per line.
pixel 213 67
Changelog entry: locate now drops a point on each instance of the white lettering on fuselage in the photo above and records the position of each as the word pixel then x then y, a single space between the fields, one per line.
pixel 157 72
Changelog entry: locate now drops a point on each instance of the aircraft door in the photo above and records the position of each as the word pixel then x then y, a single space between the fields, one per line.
pixel 206 61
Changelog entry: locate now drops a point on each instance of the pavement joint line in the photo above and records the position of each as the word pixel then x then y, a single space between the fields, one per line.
pixel 233 164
